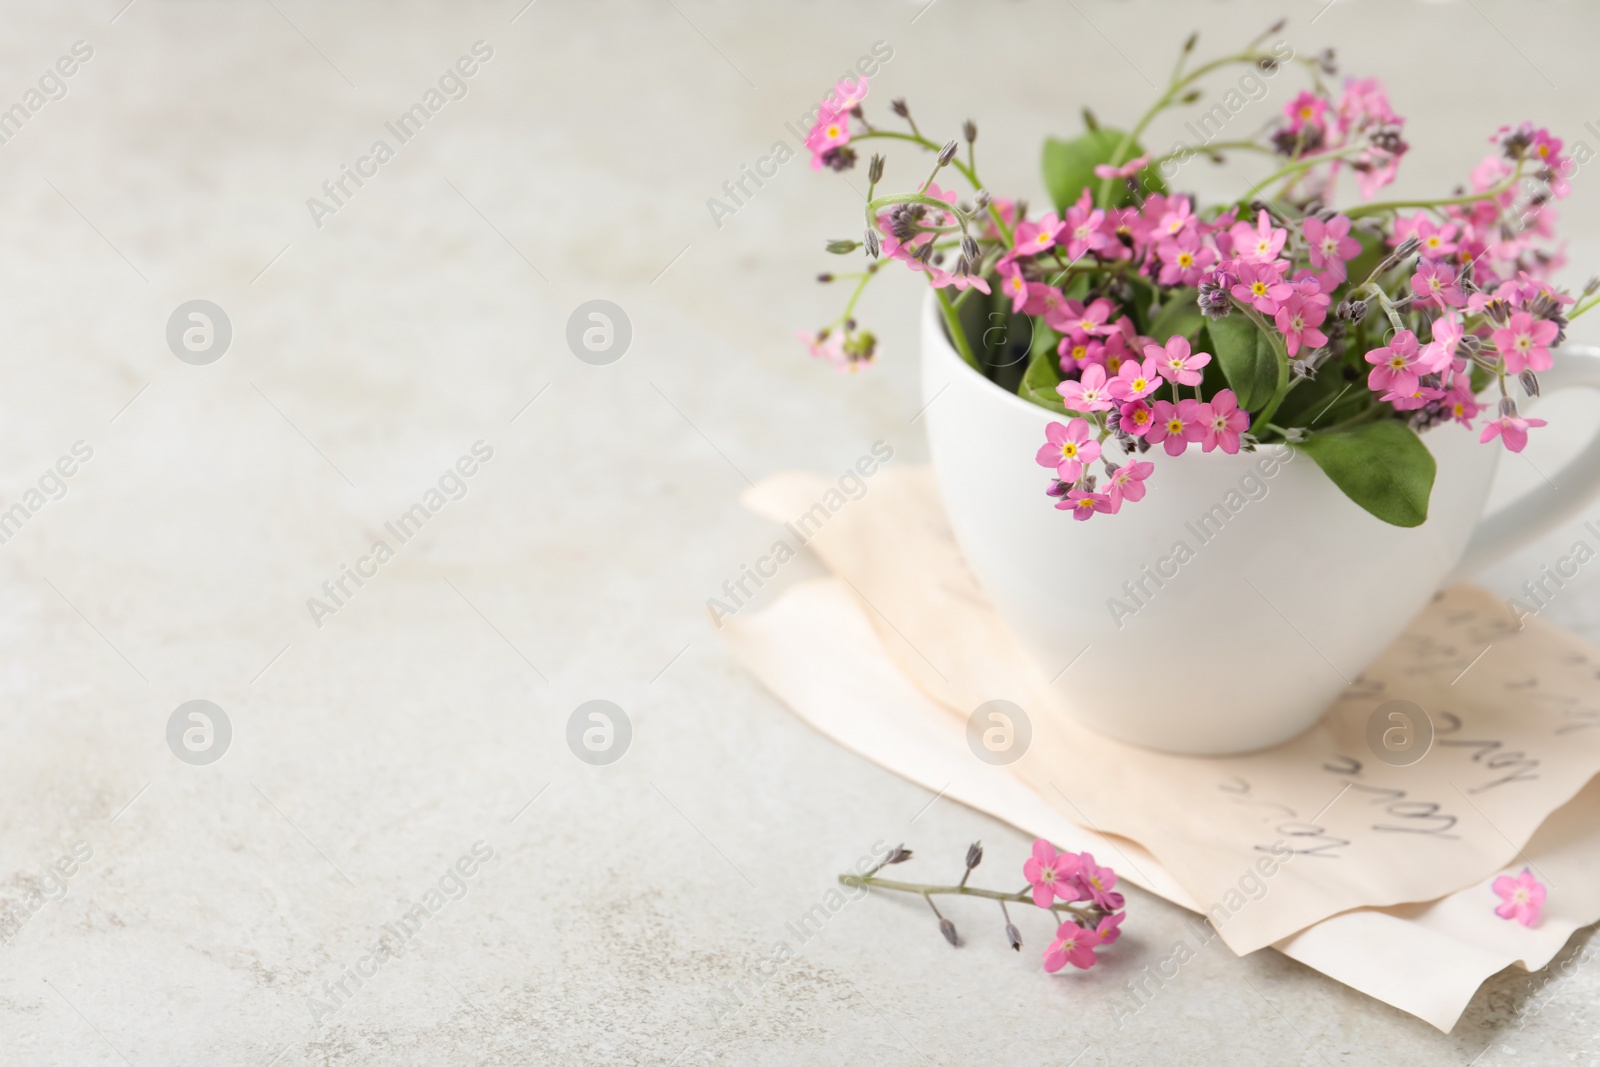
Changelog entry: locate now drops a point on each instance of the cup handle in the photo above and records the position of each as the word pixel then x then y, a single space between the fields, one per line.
pixel 1565 493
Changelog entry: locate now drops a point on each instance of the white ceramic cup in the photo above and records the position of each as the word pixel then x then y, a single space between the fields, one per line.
pixel 1287 592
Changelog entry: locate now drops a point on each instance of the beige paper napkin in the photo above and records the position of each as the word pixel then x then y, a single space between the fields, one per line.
pixel 817 651
pixel 894 551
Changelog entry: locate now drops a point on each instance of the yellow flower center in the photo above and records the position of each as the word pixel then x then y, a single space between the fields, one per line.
pixel 1069 450
pixel 1175 426
pixel 1085 502
pixel 1259 288
pixel 1139 385
pixel 833 131
pixel 1185 259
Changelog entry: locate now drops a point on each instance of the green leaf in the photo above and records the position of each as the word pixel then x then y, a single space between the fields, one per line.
pixel 1069 168
pixel 1383 466
pixel 1041 378
pixel 1179 315
pixel 1248 359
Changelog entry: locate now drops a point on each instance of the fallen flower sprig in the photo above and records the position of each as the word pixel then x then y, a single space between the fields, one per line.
pixel 1068 885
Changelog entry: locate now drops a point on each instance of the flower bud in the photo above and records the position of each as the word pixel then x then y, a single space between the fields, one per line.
pixel 947 153
pixel 1407 248
pixel 841 248
pixel 969 248
pixel 1530 382
pixel 1189 97
pixel 898 854
pixel 982 199
pixel 1193 39
pixel 1295 435
pixel 948 929
pixel 1014 936
pixel 872 243
pixel 824 278
pixel 974 854
pixel 1508 408
pixel 899 108
pixel 969 130
pixel 875 169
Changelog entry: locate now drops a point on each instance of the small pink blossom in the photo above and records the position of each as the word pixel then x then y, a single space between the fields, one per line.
pixel 1084 504
pixel 1027 298
pixel 1435 283
pixel 1222 422
pixel 1114 352
pixel 1330 243
pixel 1050 873
pixel 941 278
pixel 1420 397
pixel 1089 393
pixel 1178 219
pixel 1135 381
pixel 1461 404
pixel 1259 245
pixel 1127 170
pixel 1110 927
pixel 1078 321
pixel 1512 431
pixel 1307 109
pixel 1173 426
pixel 1078 353
pixel 1068 448
pixel 1176 362
pixel 832 130
pixel 1184 260
pixel 1261 286
pixel 847 93
pixel 1434 240
pixel 1074 945
pixel 1035 237
pixel 1135 418
pixel 1099 881
pixel 1438 354
pixel 1522 897
pixel 828 345
pixel 1394 366
pixel 1083 228
pixel 1524 342
pixel 1298 320
pixel 1127 481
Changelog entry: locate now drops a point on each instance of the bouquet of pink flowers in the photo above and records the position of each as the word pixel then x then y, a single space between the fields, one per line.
pixel 1147 320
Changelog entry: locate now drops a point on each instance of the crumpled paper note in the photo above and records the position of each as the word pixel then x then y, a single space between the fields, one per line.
pixel 1270 845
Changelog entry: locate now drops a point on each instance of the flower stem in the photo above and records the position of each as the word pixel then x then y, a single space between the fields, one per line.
pixel 1083 908
pixel 1125 146
pixel 958 336
pixel 1285 382
pixel 1395 205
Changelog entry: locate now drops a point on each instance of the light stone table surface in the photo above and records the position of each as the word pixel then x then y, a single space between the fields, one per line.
pixel 428 714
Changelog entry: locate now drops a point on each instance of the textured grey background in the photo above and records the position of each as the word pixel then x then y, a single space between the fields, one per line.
pixel 369 354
